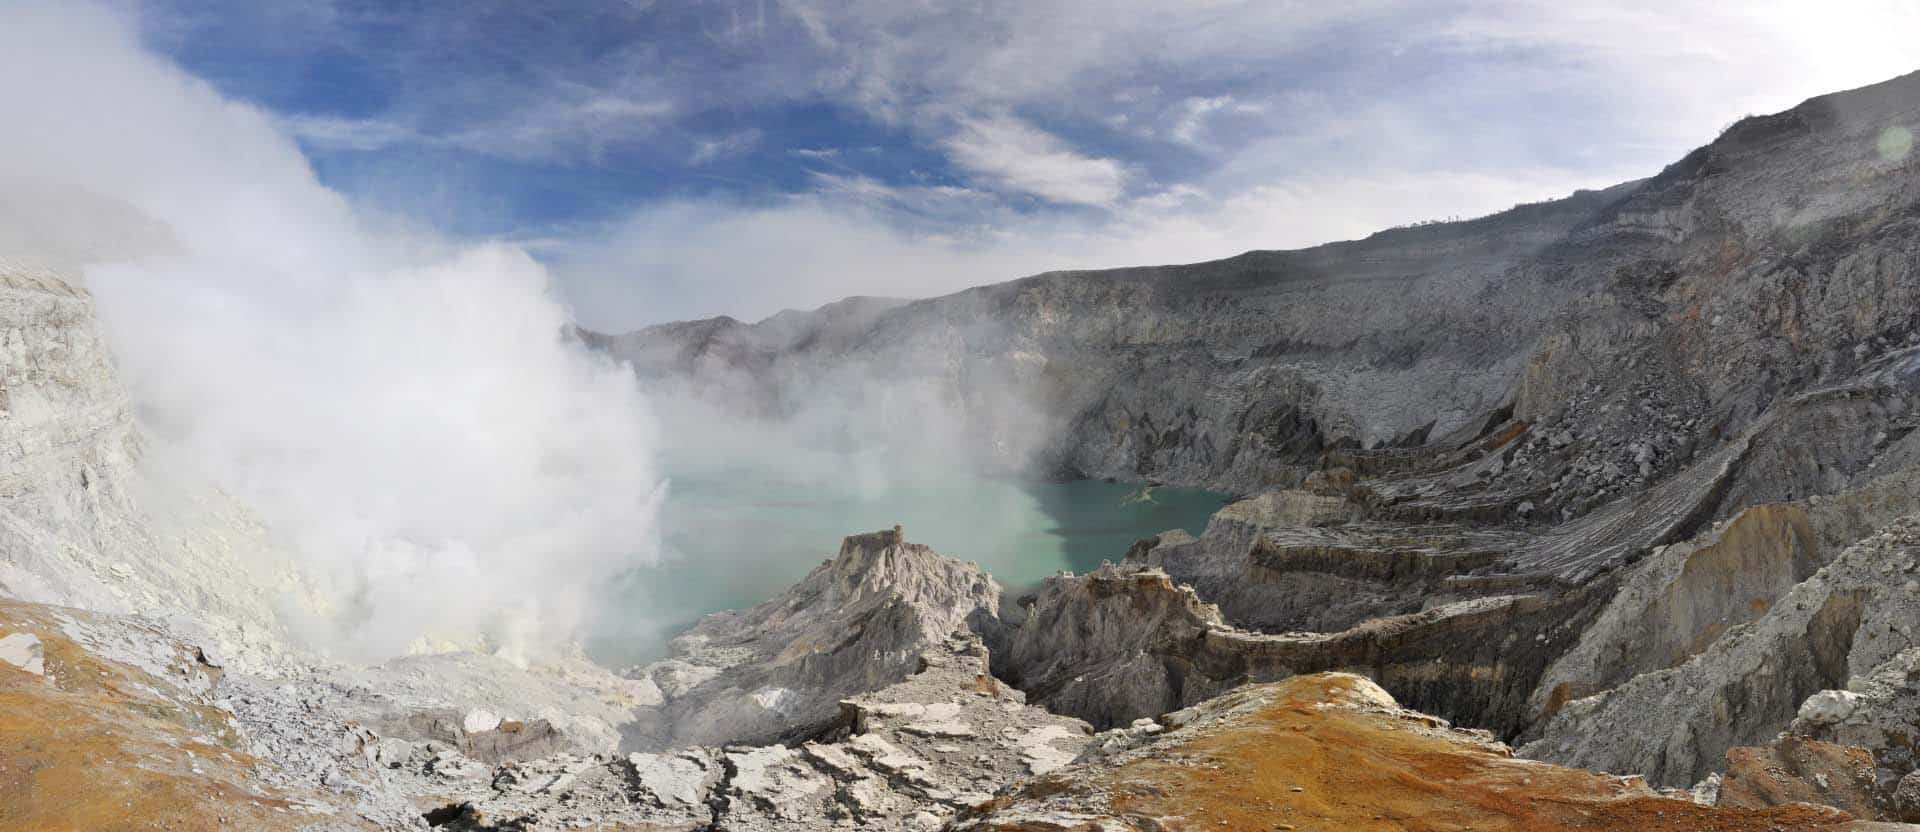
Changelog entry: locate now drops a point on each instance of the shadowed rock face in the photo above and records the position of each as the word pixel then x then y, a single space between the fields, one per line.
pixel 1684 597
pixel 1120 644
pixel 856 623
pixel 1647 607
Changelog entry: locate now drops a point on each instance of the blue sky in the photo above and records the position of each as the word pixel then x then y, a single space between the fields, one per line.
pixel 678 158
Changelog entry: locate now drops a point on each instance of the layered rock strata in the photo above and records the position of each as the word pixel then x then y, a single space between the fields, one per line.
pixel 1124 643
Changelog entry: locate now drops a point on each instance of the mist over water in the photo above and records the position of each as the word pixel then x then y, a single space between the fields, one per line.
pixel 756 501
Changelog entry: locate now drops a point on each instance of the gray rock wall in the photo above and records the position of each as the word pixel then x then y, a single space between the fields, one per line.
pixel 1667 313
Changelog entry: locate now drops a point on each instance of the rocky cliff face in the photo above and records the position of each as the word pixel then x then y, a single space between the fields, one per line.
pixel 68 430
pixel 1850 618
pixel 1552 473
pixel 86 523
pixel 902 758
pixel 1667 313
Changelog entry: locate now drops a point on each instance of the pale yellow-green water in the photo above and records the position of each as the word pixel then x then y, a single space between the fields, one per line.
pixel 732 543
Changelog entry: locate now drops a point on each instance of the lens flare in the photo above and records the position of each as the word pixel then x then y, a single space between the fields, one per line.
pixel 1895 143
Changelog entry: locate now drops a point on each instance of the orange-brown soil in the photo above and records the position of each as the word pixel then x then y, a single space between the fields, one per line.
pixel 97 746
pixel 1298 764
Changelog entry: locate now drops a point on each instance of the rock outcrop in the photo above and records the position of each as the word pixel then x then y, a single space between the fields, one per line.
pixel 1298 561
pixel 1125 643
pixel 1334 751
pixel 84 521
pixel 1675 725
pixel 68 431
pixel 857 623
pixel 906 757
pixel 118 724
pixel 1682 598
pixel 915 726
pixel 1795 770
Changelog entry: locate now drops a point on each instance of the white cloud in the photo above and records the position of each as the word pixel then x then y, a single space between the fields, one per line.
pixel 350 133
pixel 1193 117
pixel 695 258
pixel 583 125
pixel 552 130
pixel 1015 156
pixel 1593 88
pixel 901 59
pixel 1675 73
pixel 1607 81
pixel 732 144
pixel 1290 125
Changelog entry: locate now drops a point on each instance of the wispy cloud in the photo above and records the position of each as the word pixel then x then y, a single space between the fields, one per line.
pixel 1033 112
pixel 851 236
pixel 1011 155
pixel 556 131
pixel 584 126
pixel 350 133
pixel 731 144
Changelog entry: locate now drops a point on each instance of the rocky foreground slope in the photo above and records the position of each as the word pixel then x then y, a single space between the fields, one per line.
pixel 1334 751
pixel 112 723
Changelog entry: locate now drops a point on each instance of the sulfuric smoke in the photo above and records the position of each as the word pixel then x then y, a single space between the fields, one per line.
pixel 406 413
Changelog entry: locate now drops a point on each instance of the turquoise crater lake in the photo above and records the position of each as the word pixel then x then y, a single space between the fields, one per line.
pixel 730 543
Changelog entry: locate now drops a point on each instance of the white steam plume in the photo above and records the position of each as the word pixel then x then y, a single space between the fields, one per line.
pixel 408 415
